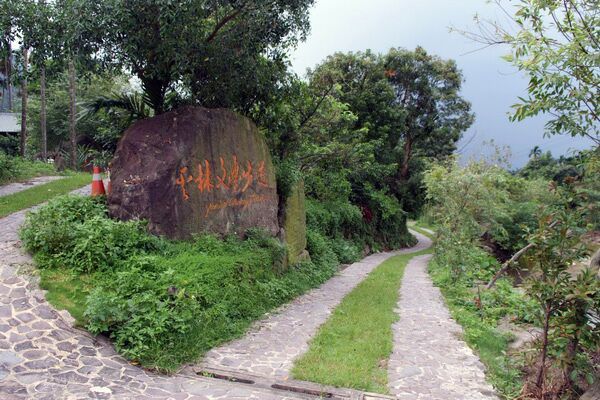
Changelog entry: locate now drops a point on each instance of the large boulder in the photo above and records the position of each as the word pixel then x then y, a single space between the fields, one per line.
pixel 194 170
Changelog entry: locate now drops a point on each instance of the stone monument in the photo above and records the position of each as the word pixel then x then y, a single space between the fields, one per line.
pixel 195 170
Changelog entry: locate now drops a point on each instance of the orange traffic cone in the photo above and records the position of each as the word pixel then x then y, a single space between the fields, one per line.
pixel 97 185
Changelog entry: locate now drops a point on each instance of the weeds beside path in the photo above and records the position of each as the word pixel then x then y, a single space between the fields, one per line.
pixel 39 194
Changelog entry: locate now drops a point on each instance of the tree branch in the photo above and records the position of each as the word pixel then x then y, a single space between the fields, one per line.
pixel 222 23
pixel 513 259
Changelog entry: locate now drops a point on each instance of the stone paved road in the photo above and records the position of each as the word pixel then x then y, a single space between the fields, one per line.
pixel 430 361
pixel 272 345
pixel 43 357
pixel 20 186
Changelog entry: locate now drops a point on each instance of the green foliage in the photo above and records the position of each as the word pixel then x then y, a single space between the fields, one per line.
pixel 479 317
pixel 481 209
pixel 556 44
pixel 98 133
pixel 163 303
pixel 17 168
pixel 166 310
pixel 232 49
pixel 566 301
pixel 482 200
pixel 74 232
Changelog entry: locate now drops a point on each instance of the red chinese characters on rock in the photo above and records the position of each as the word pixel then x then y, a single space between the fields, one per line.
pixel 235 179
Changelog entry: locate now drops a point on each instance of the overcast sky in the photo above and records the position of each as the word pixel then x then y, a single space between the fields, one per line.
pixel 491 84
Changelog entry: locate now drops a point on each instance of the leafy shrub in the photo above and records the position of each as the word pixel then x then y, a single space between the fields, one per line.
pixel 165 303
pixel 167 310
pixel 276 248
pixel 345 250
pixel 8 168
pixel 320 247
pixel 73 231
pixel 49 230
pixel 334 219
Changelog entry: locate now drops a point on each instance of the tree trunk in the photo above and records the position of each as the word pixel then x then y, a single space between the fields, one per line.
pixel 544 350
pixel 404 171
pixel 9 74
pixel 155 89
pixel 24 104
pixel 72 111
pixel 43 112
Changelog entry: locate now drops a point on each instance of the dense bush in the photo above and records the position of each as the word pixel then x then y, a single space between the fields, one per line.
pixel 74 232
pixel 348 233
pixel 165 303
pixel 479 211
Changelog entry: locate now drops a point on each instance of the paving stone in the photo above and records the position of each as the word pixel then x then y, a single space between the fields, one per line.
pixel 5 312
pixel 66 363
pixel 66 346
pixel 23 346
pixel 34 354
pixel 41 364
pixel 271 346
pixel 9 358
pixel 69 377
pixel 432 363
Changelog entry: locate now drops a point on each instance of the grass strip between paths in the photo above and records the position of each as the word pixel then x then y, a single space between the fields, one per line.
pixel 352 348
pixel 41 193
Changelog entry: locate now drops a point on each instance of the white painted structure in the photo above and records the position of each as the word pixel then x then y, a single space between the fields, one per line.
pixel 9 122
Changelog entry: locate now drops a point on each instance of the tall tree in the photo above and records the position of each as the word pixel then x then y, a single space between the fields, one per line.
pixel 409 103
pixel 8 12
pixel 427 89
pixel 25 72
pixel 220 51
pixel 79 38
pixel 41 32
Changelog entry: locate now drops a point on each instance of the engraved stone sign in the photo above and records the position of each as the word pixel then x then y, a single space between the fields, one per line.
pixel 195 170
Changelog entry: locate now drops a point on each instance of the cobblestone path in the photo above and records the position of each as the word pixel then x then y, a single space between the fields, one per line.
pixel 271 346
pixel 43 357
pixel 17 187
pixel 430 361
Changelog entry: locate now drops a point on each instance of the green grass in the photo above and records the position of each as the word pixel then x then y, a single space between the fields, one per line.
pixel 41 193
pixel 352 347
pixel 67 290
pixel 423 232
pixel 17 169
pixel 502 371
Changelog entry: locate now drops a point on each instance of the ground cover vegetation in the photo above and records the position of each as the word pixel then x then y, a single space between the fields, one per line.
pixel 351 348
pixel 14 169
pixel 162 302
pixel 41 193
pixel 488 216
